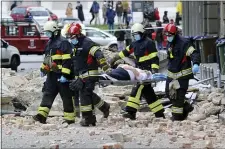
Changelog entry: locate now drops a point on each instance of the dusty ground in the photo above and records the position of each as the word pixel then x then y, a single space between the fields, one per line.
pixel 203 129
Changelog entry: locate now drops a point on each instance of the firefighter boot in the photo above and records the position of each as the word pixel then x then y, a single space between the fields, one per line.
pixel 177 117
pixel 40 118
pixel 160 114
pixel 128 114
pixel 88 119
pixel 187 109
pixel 105 109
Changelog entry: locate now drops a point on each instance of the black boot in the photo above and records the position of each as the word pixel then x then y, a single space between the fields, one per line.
pixel 40 118
pixel 160 114
pixel 177 117
pixel 88 119
pixel 69 121
pixel 187 109
pixel 105 109
pixel 129 112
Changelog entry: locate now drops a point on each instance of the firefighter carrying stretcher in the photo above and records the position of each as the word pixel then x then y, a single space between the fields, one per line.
pixel 180 70
pixel 146 59
pixel 86 60
pixel 56 65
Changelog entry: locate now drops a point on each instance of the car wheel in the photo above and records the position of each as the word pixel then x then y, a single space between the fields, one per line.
pixel 14 63
pixel 113 48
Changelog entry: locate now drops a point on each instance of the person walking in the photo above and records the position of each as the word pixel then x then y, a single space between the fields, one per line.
pixel 125 8
pixel 95 8
pixel 104 10
pixel 69 10
pixel 87 59
pixel 92 14
pixel 146 59
pixel 119 11
pixel 80 11
pixel 165 17
pixel 183 64
pixel 57 66
pixel 110 14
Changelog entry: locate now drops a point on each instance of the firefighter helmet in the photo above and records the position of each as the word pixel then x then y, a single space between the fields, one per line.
pixel 170 29
pixel 65 29
pixel 137 28
pixel 50 26
pixel 74 29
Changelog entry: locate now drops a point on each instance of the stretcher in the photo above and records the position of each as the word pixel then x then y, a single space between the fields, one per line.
pixel 111 81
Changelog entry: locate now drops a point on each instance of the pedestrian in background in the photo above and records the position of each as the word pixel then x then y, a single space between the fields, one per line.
pixel 129 16
pixel 125 8
pixel 80 11
pixel 28 17
pixel 165 17
pixel 120 35
pixel 119 11
pixel 92 14
pixel 69 10
pixel 95 9
pixel 104 10
pixel 110 14
pixel 159 35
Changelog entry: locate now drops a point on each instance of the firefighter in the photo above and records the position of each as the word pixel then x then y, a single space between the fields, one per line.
pixel 146 59
pixel 86 61
pixel 180 70
pixel 76 101
pixel 56 65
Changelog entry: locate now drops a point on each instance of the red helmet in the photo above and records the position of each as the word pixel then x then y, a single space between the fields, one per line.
pixel 170 29
pixel 74 30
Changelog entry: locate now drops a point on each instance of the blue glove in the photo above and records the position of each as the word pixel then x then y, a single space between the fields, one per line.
pixel 195 68
pixel 63 79
pixel 43 74
pixel 159 77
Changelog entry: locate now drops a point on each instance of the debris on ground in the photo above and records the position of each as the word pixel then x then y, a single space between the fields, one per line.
pixel 202 129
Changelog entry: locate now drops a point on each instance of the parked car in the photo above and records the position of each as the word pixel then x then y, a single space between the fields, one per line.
pixel 27 37
pixel 101 37
pixel 10 56
pixel 40 14
pixel 65 20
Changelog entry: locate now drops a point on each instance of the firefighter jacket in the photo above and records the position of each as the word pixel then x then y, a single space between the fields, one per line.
pixel 58 53
pixel 87 58
pixel 145 54
pixel 180 54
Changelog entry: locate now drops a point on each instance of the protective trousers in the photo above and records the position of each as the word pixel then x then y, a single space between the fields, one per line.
pixel 148 93
pixel 76 103
pixel 90 100
pixel 50 90
pixel 179 103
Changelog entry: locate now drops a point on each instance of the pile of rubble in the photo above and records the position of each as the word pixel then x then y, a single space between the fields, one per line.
pixel 203 129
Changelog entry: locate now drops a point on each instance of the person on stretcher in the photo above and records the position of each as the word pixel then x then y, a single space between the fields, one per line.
pixel 127 72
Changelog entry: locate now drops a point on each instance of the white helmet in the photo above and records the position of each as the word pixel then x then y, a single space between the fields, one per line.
pixel 137 27
pixel 50 26
pixel 65 30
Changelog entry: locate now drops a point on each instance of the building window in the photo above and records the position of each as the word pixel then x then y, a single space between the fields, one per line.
pixel 11 31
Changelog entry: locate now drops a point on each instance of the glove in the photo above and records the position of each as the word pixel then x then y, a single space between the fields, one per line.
pixel 76 85
pixel 63 79
pixel 155 71
pixel 42 74
pixel 114 59
pixel 158 77
pixel 195 68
